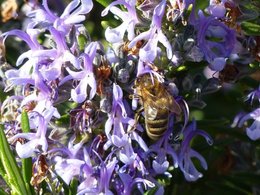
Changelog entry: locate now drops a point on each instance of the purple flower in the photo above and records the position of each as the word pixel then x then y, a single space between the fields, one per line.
pixel 177 9
pixel 114 128
pixel 215 40
pixel 37 141
pixel 145 68
pixel 73 14
pixel 30 37
pixel 216 8
pixel 90 182
pixel 129 182
pixel 106 171
pixel 129 18
pixel 43 104
pixel 154 35
pixel 117 127
pixel 68 168
pixel 186 153
pixel 85 76
pixel 56 57
pixel 162 150
pixel 160 164
pixel 100 184
pixel 68 163
pixel 253 132
pixel 255 94
pixel 23 75
pixel 43 66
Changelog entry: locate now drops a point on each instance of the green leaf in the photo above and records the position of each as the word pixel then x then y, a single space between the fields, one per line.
pixel 73 186
pixel 226 187
pixel 82 41
pixel 25 122
pixel 2 192
pixel 251 28
pixel 27 173
pixel 64 185
pixel 14 176
pixel 247 177
pixel 26 162
pixel 105 3
pixel 2 170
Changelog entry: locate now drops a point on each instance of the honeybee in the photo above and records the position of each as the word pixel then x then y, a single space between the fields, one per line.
pixel 157 104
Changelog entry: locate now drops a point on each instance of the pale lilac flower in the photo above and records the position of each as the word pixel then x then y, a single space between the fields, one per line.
pixel 37 142
pixel 255 94
pixel 145 68
pixel 154 35
pixel 68 164
pixel 68 168
pixel 85 77
pixel 184 5
pixel 100 184
pixel 253 132
pixel 73 14
pixel 30 37
pixel 90 182
pixel 89 185
pixel 160 164
pixel 117 127
pixel 43 104
pixel 106 171
pixel 215 40
pixel 129 182
pixel 23 75
pixel 186 153
pixel 216 8
pixel 56 57
pixel 114 128
pixel 42 65
pixel 128 17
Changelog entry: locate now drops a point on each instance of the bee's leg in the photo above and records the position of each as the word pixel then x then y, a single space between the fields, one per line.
pixel 134 96
pixel 137 116
pixel 138 113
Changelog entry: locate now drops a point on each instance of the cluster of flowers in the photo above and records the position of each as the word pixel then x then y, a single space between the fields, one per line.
pixel 104 146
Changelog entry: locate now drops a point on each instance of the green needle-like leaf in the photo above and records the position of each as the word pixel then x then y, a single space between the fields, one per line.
pixel 13 173
pixel 73 186
pixel 251 28
pixel 105 3
pixel 64 185
pixel 26 162
pixel 82 41
pixel 2 171
pixel 25 122
pixel 2 192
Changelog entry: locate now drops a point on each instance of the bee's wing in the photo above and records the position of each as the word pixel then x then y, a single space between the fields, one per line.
pixel 174 106
pixel 164 100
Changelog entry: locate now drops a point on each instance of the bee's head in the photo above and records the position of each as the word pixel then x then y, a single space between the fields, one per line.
pixel 145 81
